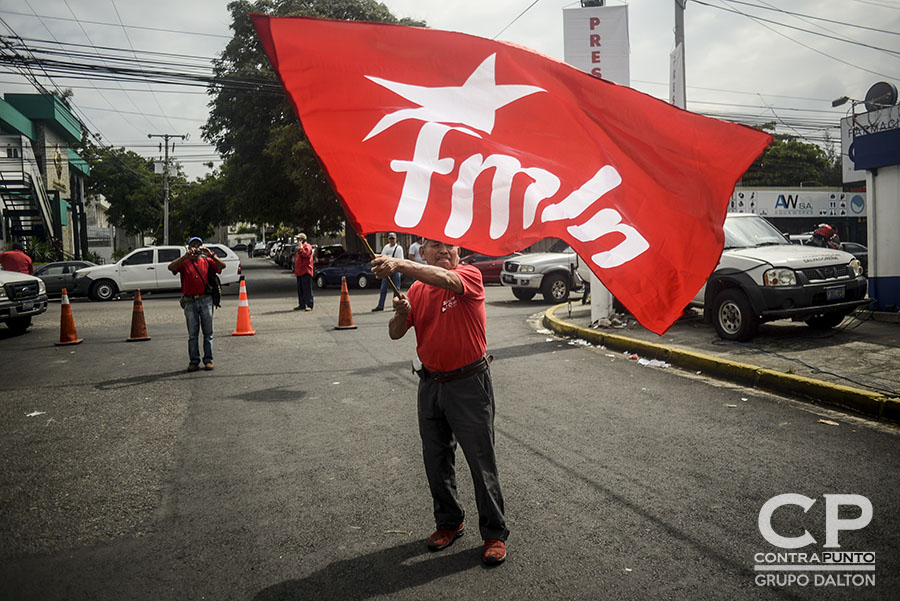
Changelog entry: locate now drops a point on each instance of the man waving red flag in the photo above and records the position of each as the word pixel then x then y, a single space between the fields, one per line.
pixel 493 147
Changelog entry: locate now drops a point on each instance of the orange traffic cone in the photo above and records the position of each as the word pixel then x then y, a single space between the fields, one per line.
pixel 243 327
pixel 345 316
pixel 138 325
pixel 67 333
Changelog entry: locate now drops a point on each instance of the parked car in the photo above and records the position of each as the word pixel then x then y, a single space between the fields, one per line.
pixel 147 269
pixel 354 266
pixel 322 255
pixel 60 274
pixel 285 256
pixel 490 267
pixel 860 252
pixel 762 277
pixel 239 248
pixel 22 296
pixel 553 273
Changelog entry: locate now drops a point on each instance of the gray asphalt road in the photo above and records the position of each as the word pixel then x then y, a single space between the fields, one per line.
pixel 293 470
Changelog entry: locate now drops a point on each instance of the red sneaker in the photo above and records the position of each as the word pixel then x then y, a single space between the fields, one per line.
pixel 441 539
pixel 494 552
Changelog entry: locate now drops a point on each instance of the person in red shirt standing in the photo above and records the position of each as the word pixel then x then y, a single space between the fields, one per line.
pixel 456 396
pixel 303 269
pixel 16 260
pixel 194 267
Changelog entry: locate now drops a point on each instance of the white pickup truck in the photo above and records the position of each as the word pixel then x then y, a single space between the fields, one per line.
pixel 553 274
pixel 147 269
pixel 762 277
pixel 22 296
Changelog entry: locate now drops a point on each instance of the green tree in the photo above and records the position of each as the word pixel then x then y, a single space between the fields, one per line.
pixel 790 162
pixel 198 207
pixel 127 182
pixel 270 172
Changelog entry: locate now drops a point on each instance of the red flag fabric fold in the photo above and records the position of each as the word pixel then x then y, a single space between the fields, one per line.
pixel 494 147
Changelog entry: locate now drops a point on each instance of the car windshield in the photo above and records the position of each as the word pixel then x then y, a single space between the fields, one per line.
pixel 746 232
pixel 561 247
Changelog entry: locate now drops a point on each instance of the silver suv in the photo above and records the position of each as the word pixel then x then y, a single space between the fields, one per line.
pixel 762 277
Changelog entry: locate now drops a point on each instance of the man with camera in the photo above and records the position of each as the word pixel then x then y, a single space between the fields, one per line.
pixel 194 268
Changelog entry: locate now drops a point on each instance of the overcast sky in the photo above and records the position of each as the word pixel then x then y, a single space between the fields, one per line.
pixel 734 64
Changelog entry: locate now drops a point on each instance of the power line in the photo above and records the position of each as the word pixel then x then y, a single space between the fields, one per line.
pixel 88 38
pixel 203 59
pixel 779 23
pixel 43 68
pixel 516 19
pixel 825 54
pixel 160 29
pixel 128 39
pixel 793 14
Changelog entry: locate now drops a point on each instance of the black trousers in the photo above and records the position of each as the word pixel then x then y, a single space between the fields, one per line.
pixel 304 291
pixel 461 411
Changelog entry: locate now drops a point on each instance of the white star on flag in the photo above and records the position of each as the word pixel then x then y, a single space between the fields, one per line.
pixel 473 103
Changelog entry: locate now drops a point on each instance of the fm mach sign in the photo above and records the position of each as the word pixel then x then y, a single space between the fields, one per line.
pixel 798 203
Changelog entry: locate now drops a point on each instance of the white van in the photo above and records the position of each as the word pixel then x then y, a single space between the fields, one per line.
pixel 147 269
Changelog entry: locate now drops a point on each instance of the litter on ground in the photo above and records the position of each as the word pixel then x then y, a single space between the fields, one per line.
pixel 653 363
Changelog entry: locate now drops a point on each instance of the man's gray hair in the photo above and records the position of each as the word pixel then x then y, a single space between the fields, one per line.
pixel 301 236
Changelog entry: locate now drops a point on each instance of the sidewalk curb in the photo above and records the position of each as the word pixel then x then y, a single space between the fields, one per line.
pixel 867 403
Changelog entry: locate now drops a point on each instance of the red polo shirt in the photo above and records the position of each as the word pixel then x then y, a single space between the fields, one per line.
pixel 450 327
pixel 193 281
pixel 16 260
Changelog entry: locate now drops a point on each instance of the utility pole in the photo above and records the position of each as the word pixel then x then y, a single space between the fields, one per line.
pixel 681 92
pixel 166 137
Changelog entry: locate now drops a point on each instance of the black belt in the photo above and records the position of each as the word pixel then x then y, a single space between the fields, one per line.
pixel 476 367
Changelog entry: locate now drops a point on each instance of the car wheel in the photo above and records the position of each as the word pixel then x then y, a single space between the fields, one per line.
pixel 103 290
pixel 555 288
pixel 18 325
pixel 733 317
pixel 321 282
pixel 362 281
pixel 826 321
pixel 524 294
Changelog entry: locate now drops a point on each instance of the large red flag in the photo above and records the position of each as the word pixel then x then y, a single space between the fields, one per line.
pixel 494 146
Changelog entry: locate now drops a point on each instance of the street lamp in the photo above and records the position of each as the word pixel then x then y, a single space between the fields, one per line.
pixel 839 101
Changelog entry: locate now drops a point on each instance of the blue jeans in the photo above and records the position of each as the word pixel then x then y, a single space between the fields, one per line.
pixel 199 314
pixel 385 287
pixel 304 291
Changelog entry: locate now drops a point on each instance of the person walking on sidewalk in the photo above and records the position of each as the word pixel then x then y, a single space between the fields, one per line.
pixel 415 251
pixel 16 260
pixel 194 267
pixel 395 251
pixel 303 269
pixel 456 396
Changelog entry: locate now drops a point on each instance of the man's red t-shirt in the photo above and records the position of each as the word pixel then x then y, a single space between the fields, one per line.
pixel 450 327
pixel 192 282
pixel 16 260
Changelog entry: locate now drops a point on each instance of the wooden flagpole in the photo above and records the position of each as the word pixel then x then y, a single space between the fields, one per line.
pixel 372 253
